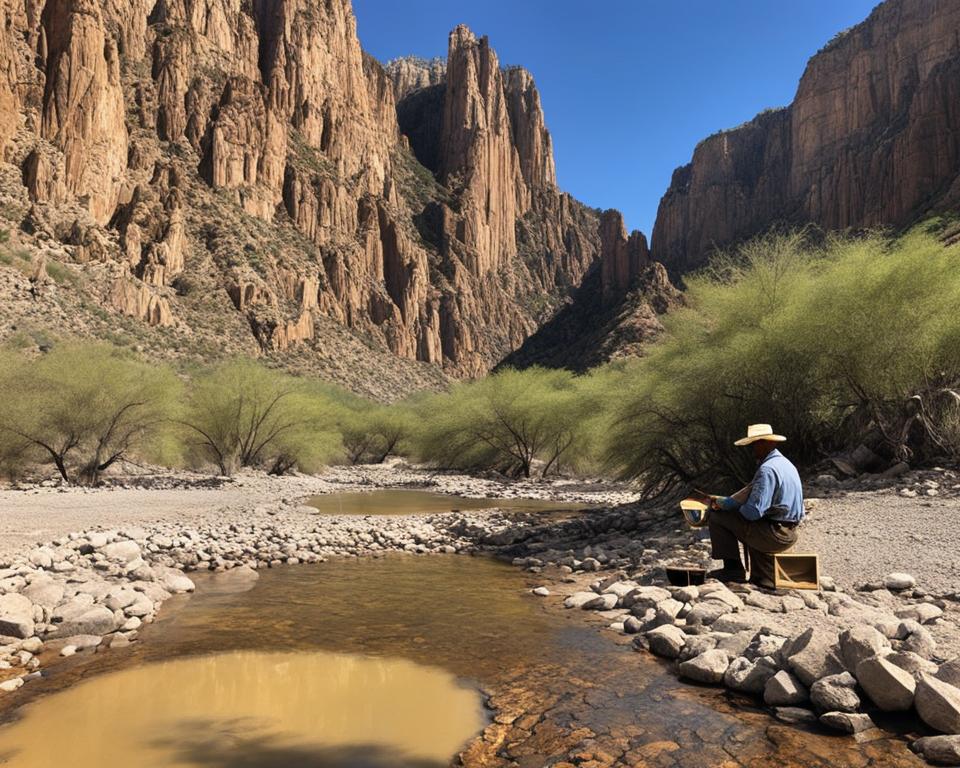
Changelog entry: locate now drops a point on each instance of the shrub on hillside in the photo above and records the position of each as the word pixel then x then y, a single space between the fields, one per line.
pixel 855 340
pixel 82 408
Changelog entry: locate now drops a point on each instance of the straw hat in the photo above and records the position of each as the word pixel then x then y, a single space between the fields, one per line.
pixel 760 432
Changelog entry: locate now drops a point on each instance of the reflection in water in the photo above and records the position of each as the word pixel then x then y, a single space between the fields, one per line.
pixel 407 502
pixel 251 710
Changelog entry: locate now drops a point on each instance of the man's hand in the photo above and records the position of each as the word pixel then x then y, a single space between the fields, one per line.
pixel 703 498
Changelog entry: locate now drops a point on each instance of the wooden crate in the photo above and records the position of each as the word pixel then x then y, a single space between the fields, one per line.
pixel 795 570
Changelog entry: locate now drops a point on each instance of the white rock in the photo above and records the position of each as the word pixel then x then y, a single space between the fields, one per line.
pixel 666 640
pixel 708 667
pixel 784 689
pixel 541 591
pixel 897 582
pixel 749 676
pixel 939 750
pixel 860 643
pixel 835 693
pixel 889 687
pixel 922 613
pixel 16 616
pixel 122 551
pixel 600 603
pixel 577 599
pixel 97 620
pixel 175 581
pixel 847 722
pixel 11 685
pixel 813 654
pixel 44 591
pixel 938 704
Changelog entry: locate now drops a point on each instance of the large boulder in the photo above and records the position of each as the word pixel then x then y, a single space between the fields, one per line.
pixel 897 582
pixel 121 551
pixel 784 689
pixel 915 664
pixel 44 591
pixel 889 687
pixel 813 654
pixel 78 619
pixel 644 597
pixel 749 676
pixel 16 615
pixel 938 704
pixel 707 612
pixel 848 722
pixel 860 643
pixel 697 644
pixel 939 750
pixel 579 599
pixel 835 693
pixel 708 667
pixel 598 603
pixel 666 640
pixel 918 639
pixel 922 613
pixel 949 672
pixel 741 622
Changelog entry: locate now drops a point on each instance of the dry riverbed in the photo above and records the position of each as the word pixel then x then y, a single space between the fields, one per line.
pixel 111 557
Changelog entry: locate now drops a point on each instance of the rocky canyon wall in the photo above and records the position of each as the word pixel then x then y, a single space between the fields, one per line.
pixel 242 175
pixel 872 138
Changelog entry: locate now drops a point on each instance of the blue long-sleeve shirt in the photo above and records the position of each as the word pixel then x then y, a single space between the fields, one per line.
pixel 777 493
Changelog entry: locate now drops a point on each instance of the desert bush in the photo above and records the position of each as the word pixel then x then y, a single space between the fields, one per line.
pixel 371 432
pixel 506 421
pixel 241 414
pixel 837 343
pixel 82 408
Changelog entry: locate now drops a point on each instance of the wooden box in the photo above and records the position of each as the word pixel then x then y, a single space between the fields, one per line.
pixel 794 570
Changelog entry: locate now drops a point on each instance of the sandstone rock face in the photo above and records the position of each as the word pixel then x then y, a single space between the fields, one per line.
pixel 83 106
pixel 871 139
pixel 477 153
pixel 530 135
pixel 244 168
pixel 622 257
pixel 409 74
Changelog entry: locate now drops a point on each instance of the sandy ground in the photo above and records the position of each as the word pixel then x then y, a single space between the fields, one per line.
pixel 863 536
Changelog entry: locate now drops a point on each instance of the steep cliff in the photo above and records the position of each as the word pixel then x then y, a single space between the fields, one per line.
pixel 872 138
pixel 217 176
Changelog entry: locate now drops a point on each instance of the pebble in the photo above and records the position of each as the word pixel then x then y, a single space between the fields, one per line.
pixel 541 591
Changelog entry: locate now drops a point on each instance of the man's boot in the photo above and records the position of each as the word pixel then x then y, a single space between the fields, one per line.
pixel 732 571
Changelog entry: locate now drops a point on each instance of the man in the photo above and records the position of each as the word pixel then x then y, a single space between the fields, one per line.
pixel 763 516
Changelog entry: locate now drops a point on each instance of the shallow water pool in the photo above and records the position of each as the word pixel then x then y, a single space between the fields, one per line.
pixel 561 687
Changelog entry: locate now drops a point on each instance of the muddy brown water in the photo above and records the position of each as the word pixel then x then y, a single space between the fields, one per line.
pixel 380 662
pixel 403 501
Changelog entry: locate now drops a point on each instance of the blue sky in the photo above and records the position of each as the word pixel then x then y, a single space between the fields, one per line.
pixel 628 87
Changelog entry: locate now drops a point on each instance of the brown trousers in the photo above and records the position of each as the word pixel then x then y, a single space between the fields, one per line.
pixel 760 538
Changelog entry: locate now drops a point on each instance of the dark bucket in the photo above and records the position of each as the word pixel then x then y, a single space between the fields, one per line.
pixel 685 577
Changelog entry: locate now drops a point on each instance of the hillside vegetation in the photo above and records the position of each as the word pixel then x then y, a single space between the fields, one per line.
pixel 838 343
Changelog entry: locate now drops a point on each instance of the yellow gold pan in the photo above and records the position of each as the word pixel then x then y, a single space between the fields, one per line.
pixel 695 512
